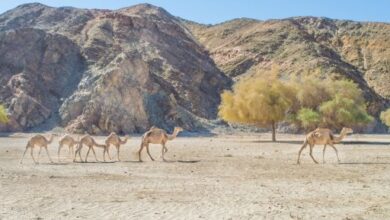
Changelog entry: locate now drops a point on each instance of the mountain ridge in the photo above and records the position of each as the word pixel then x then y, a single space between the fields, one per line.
pixel 140 66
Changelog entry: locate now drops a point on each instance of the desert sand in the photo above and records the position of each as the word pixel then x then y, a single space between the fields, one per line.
pixel 216 177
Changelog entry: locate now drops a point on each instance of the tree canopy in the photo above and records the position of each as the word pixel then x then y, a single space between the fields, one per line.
pixel 265 100
pixel 385 117
pixel 259 101
pixel 3 115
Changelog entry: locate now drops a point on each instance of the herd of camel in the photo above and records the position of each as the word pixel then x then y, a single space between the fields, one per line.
pixel 153 136
pixel 320 136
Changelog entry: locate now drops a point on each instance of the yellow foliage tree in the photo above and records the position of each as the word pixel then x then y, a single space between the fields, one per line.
pixel 258 100
pixel 385 117
pixel 3 115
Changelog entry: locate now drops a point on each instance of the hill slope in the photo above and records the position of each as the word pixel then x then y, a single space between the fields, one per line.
pixel 355 50
pixel 101 71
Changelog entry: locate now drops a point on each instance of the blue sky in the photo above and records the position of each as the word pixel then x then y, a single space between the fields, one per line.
pixel 215 11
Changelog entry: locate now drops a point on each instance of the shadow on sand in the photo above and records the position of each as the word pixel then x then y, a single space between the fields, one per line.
pixel 301 142
pixel 167 161
pixel 365 163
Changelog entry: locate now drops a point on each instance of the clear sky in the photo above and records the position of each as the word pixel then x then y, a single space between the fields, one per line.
pixel 215 11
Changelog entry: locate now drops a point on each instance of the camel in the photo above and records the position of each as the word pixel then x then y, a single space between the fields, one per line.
pixel 323 136
pixel 90 143
pixel 38 141
pixel 67 140
pixel 157 136
pixel 114 139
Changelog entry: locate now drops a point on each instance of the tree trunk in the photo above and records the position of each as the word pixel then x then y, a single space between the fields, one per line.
pixel 273 132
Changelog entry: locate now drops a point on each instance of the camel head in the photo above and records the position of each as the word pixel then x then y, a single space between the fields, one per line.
pixel 346 130
pixel 178 129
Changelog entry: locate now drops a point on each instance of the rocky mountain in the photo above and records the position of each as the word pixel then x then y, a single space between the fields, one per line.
pixel 359 51
pixel 101 71
pixel 124 70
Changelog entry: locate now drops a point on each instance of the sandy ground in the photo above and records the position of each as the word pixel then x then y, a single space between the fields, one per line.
pixel 222 177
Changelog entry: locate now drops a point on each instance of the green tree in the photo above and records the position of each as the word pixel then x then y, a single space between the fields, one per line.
pixel 340 112
pixel 3 115
pixel 330 103
pixel 260 101
pixel 308 118
pixel 385 117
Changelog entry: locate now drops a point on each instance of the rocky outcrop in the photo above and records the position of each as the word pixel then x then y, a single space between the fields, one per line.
pixel 37 71
pixel 101 71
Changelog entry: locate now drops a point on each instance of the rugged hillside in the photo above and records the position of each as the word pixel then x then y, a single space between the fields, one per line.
pixel 337 48
pixel 102 71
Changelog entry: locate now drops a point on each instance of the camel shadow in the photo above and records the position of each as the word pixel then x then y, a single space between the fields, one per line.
pixel 94 162
pixel 365 163
pixel 130 161
pixel 167 161
pixel 366 142
pixel 276 142
pixel 301 142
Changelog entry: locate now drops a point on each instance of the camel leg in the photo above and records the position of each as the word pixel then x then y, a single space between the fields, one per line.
pixel 147 150
pixel 139 152
pixel 47 152
pixel 86 157
pixel 32 155
pixel 21 161
pixel 323 154
pixel 70 150
pixel 163 150
pixel 337 153
pixel 59 150
pixel 93 151
pixel 104 154
pixel 108 153
pixel 39 153
pixel 117 152
pixel 300 151
pixel 311 153
pixel 78 152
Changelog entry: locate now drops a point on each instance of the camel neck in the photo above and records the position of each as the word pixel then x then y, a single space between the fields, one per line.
pixel 173 135
pixel 340 137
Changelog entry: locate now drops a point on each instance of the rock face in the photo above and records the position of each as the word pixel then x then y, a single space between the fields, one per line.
pixel 358 51
pixel 100 71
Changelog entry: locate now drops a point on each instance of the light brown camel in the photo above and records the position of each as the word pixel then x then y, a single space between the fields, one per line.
pixel 88 141
pixel 70 142
pixel 157 136
pixel 114 139
pixel 38 141
pixel 323 136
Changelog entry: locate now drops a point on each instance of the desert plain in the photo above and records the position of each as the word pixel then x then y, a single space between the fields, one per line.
pixel 213 177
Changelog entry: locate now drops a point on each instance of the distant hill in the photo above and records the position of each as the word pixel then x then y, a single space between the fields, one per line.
pixel 359 51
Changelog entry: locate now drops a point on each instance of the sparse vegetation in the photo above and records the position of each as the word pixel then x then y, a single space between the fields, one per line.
pixel 3 115
pixel 330 103
pixel 309 118
pixel 264 100
pixel 385 117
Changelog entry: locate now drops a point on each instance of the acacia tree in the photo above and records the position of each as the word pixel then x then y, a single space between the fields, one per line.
pixel 308 117
pixel 258 101
pixel 339 103
pixel 385 117
pixel 3 115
